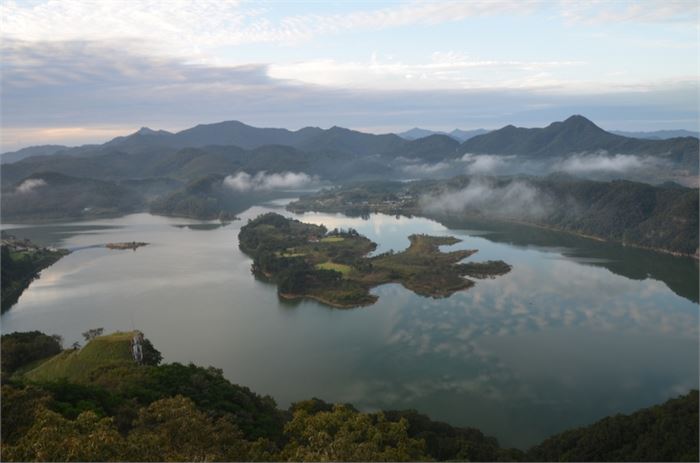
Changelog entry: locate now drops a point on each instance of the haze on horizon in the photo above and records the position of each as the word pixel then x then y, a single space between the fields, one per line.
pixel 78 72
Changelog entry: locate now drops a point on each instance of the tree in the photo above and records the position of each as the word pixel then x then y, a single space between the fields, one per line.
pixel 151 356
pixel 58 338
pixel 91 334
pixel 173 429
pixel 344 434
pixel 54 438
pixel 20 348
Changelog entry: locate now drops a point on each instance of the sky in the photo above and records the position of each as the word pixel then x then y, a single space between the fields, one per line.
pixel 85 71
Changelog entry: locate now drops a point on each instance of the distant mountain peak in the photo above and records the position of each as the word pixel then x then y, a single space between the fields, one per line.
pixel 579 120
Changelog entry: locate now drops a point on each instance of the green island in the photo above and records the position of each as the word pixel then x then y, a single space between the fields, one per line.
pixel 333 267
pixel 96 403
pixel 133 245
pixel 22 261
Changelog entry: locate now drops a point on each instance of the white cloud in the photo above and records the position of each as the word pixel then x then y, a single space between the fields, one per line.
pixel 444 70
pixel 587 163
pixel 262 181
pixel 514 199
pixel 649 11
pixel 199 27
pixel 196 26
pixel 30 185
pixel 425 168
pixel 484 163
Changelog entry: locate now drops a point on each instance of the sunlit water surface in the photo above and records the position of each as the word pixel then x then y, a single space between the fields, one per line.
pixel 572 334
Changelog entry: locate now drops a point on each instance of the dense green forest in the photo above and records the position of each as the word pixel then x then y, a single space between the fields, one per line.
pixel 21 263
pixel 635 214
pixel 306 260
pixel 105 407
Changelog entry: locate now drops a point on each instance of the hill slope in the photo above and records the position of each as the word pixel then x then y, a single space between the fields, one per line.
pixel 77 365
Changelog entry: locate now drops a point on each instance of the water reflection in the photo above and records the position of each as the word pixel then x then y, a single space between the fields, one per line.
pixel 574 332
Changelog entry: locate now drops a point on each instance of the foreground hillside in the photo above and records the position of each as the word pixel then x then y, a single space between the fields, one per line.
pixel 97 404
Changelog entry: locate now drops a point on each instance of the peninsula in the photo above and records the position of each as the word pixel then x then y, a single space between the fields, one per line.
pixel 22 261
pixel 333 267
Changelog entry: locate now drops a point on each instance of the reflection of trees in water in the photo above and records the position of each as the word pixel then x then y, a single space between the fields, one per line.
pixel 680 274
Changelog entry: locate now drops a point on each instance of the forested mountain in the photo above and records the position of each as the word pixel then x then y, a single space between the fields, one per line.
pixel 457 134
pixel 576 135
pixel 41 150
pixel 432 148
pixel 658 134
pixel 228 146
pixel 335 155
pixel 631 213
pixel 47 196
pixel 96 403
pixel 352 142
pixel 205 198
pixel 221 133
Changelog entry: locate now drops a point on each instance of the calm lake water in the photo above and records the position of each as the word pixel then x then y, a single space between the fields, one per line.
pixel 577 331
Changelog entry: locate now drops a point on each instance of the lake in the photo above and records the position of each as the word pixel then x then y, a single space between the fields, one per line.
pixel 576 331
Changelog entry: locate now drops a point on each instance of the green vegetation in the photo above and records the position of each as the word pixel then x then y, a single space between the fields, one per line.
pixel 340 268
pixel 306 260
pixel 51 196
pixel 77 365
pixel 202 199
pixel 663 218
pixel 667 432
pixel 20 349
pixel 174 412
pixel 21 263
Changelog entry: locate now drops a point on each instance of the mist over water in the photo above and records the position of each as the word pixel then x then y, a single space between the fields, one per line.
pixel 568 336
pixel 516 199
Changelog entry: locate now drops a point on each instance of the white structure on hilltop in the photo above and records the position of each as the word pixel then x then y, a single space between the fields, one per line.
pixel 137 347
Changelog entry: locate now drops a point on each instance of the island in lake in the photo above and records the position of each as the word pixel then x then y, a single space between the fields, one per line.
pixel 333 267
pixel 133 245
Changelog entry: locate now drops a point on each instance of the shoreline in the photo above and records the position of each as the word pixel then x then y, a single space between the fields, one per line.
pixel 442 220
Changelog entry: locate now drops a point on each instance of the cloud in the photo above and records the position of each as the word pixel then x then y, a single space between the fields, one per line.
pixel 444 70
pixel 485 163
pixel 425 168
pixel 656 11
pixel 515 199
pixel 30 185
pixel 97 87
pixel 601 162
pixel 262 181
pixel 197 27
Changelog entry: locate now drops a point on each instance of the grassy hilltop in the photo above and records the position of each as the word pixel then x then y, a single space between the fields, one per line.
pixel 77 365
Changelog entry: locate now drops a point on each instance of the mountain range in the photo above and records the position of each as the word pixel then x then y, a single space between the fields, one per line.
pixel 658 134
pixel 579 135
pixel 459 135
pixel 152 163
